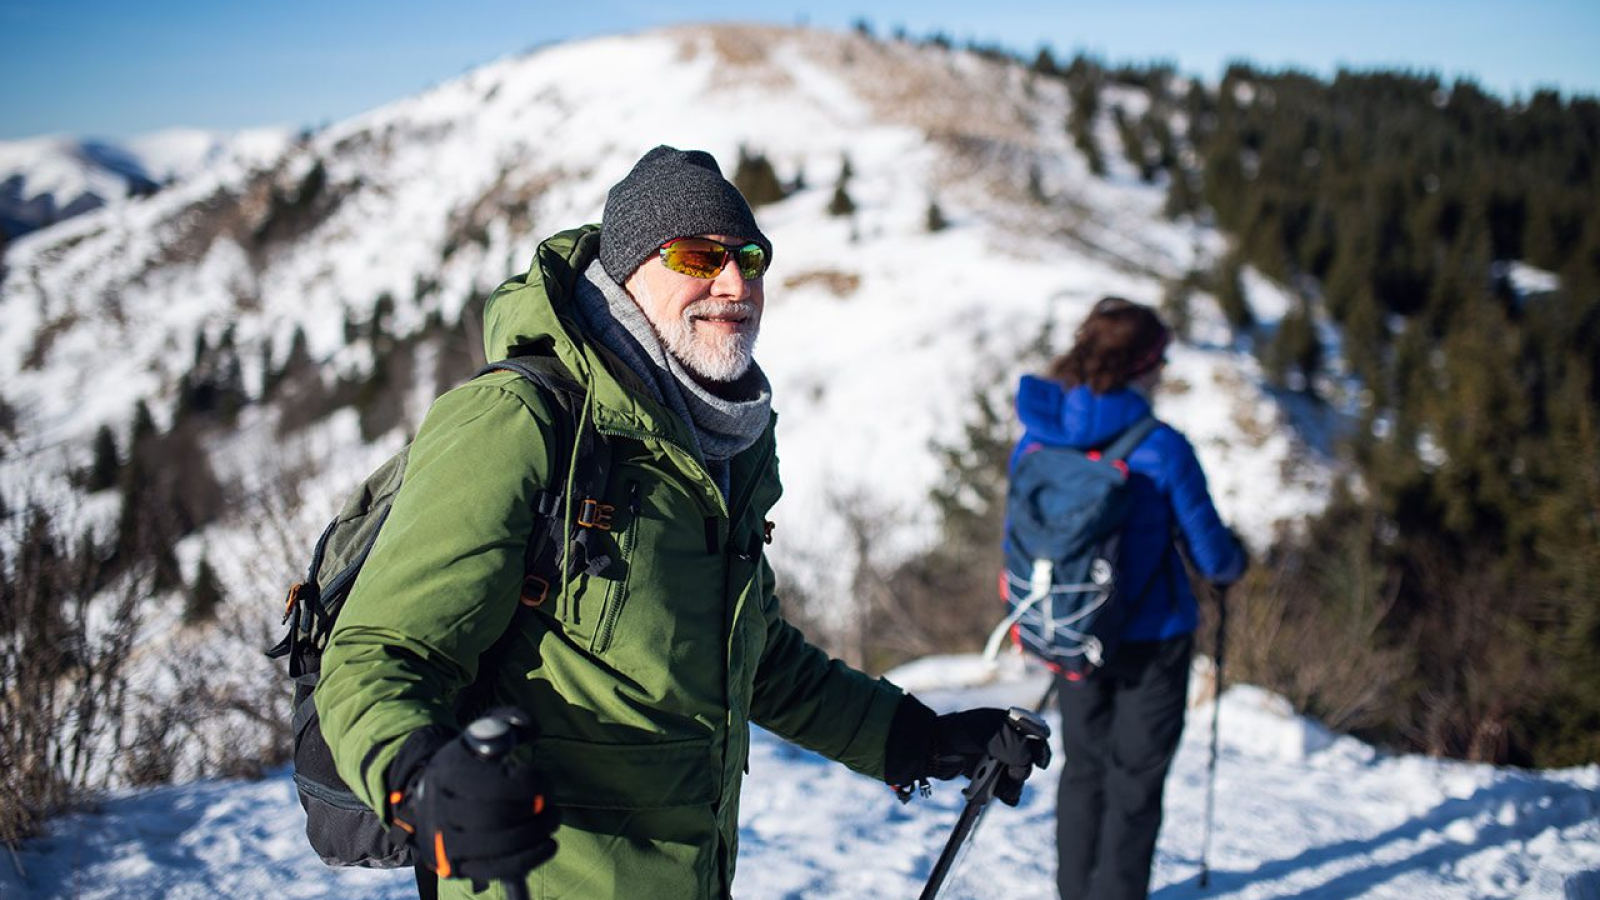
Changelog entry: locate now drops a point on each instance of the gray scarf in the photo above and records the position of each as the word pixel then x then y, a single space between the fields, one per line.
pixel 722 422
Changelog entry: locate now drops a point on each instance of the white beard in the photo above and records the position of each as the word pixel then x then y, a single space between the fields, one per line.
pixel 721 357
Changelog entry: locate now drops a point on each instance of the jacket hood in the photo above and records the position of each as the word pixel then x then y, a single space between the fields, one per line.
pixel 1076 417
pixel 536 314
pixel 514 323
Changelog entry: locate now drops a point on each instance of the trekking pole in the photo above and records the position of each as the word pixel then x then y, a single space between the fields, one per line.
pixel 978 793
pixel 492 737
pixel 1221 593
pixel 1044 700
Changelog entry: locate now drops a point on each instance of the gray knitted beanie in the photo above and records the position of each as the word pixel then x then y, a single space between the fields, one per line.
pixel 670 194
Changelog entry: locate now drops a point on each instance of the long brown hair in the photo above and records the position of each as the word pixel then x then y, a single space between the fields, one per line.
pixel 1119 341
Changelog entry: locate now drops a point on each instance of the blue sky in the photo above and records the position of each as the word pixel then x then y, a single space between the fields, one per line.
pixel 113 69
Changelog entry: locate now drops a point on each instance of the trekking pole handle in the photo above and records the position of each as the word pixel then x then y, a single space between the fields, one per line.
pixel 1030 722
pixel 1026 722
pixel 492 737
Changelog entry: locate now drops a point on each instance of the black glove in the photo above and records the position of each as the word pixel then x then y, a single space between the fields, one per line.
pixel 1019 754
pixel 924 745
pixel 467 815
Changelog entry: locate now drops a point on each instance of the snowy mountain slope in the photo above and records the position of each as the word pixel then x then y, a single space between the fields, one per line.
pixel 433 199
pixel 1300 813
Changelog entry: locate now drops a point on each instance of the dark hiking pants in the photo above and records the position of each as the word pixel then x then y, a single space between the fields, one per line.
pixel 1119 732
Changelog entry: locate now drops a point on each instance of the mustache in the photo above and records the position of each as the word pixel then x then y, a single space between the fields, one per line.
pixel 716 309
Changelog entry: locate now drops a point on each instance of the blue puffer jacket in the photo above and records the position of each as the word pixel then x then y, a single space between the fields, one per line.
pixel 1168 487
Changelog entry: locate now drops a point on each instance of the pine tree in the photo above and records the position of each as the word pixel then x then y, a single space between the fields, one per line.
pixel 1182 198
pixel 1231 295
pixel 105 467
pixel 1085 93
pixel 1036 185
pixel 205 596
pixel 935 219
pixel 1177 306
pixel 1294 356
pixel 841 203
pixel 1044 64
pixel 143 428
pixel 1133 144
pixel 756 179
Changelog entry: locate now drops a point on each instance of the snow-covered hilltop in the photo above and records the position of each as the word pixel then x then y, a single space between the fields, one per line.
pixel 878 332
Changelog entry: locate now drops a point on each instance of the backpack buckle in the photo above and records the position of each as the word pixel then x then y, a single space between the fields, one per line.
pixel 291 601
pixel 529 597
pixel 595 514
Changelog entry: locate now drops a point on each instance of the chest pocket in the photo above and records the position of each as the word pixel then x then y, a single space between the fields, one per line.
pixel 609 525
pixel 660 598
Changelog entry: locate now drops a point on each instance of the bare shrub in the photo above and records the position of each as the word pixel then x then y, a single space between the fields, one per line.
pixel 886 623
pixel 1310 623
pixel 1320 652
pixel 151 757
pixel 1478 666
pixel 942 599
pixel 63 680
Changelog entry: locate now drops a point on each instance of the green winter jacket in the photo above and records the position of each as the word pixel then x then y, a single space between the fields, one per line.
pixel 642 681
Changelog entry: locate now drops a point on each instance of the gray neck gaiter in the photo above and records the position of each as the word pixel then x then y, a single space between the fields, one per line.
pixel 723 422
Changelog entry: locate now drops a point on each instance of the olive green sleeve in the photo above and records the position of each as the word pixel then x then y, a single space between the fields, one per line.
pixel 803 695
pixel 443 579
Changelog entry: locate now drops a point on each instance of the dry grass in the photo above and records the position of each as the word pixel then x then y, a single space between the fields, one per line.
pixel 839 284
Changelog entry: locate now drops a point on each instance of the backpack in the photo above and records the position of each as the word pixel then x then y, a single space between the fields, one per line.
pixel 1065 509
pixel 343 830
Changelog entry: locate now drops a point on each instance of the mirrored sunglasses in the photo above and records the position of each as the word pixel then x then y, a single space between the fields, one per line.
pixel 700 257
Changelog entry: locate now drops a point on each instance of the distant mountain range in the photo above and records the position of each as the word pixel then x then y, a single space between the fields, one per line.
pixel 44 180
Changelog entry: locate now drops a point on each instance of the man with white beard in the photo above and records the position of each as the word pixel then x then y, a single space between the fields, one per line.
pixel 637 652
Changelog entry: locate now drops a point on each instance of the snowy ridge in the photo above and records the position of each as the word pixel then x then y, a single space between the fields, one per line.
pixel 1300 813
pixel 877 333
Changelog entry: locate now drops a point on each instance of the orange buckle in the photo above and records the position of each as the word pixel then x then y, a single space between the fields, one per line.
pixel 766 531
pixel 595 514
pixel 291 601
pixel 529 598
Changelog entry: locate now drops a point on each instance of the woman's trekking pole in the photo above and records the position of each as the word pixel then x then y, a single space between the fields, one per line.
pixel 1221 593
pixel 1049 692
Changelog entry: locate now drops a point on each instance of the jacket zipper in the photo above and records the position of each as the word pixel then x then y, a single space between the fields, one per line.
pixel 750 489
pixel 619 589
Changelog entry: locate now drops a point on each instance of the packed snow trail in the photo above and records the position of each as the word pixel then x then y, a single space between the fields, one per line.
pixel 1301 814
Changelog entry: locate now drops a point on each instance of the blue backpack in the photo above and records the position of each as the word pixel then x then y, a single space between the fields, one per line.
pixel 1065 510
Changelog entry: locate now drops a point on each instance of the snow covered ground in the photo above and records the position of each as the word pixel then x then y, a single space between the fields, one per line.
pixel 1301 813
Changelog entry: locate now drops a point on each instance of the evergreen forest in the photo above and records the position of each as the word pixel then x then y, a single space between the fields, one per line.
pixel 1455 577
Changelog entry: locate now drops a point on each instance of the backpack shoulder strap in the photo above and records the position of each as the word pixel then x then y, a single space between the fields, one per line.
pixel 549 556
pixel 1129 440
pixel 544 371
pixel 542 565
